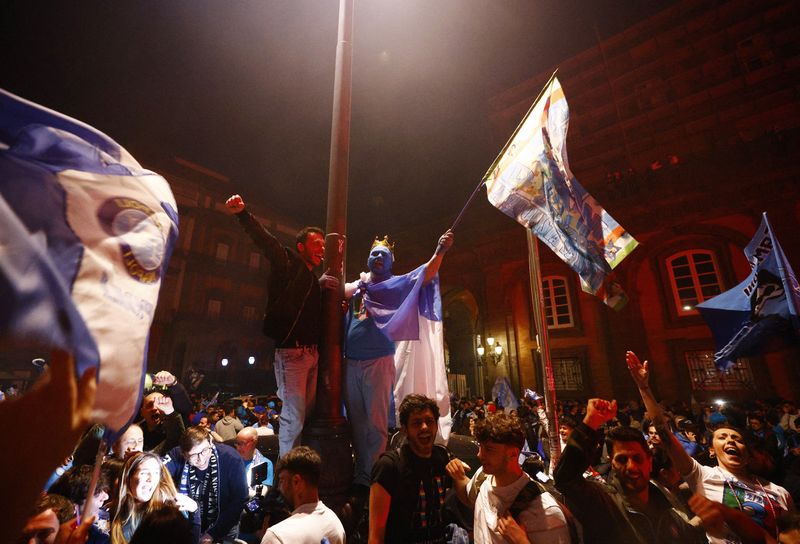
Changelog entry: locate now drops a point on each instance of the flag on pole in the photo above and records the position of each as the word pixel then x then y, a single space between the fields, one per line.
pixel 85 238
pixel 531 182
pixel 765 303
pixel 504 393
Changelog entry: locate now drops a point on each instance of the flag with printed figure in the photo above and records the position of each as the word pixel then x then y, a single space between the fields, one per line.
pixel 85 238
pixel 765 303
pixel 532 183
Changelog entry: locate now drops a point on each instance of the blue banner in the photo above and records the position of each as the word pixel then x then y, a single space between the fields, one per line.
pixel 764 304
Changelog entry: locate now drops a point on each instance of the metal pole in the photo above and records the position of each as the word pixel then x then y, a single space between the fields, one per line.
pixel 540 320
pixel 328 431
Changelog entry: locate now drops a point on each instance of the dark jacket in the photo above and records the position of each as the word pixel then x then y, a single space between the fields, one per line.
pixel 603 509
pixel 294 304
pixel 233 492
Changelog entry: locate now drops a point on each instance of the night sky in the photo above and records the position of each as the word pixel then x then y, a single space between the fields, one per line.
pixel 245 87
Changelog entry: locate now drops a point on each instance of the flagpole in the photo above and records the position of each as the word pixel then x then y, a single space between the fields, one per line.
pixel 540 320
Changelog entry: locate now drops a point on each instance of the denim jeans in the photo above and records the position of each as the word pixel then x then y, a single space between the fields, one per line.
pixel 368 390
pixel 296 374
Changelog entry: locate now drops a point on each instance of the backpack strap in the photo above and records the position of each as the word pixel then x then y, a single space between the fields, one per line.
pixel 525 496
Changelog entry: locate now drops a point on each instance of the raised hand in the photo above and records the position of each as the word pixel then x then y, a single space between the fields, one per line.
pixel 235 204
pixel 599 411
pixel 164 378
pixel 445 241
pixel 639 370
pixel 164 405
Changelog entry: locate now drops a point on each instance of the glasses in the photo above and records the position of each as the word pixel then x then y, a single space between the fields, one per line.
pixel 200 454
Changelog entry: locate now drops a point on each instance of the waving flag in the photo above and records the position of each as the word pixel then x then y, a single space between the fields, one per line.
pixel 410 314
pixel 765 303
pixel 531 182
pixel 504 393
pixel 85 238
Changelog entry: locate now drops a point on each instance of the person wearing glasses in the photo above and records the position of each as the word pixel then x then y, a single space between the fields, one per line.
pixel 213 476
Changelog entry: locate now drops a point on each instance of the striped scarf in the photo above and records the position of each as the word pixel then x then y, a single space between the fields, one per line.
pixel 203 489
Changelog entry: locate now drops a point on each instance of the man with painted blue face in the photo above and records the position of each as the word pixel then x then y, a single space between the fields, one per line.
pixel 384 308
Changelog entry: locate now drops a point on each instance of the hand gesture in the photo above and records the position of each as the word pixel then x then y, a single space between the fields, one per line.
pixel 710 513
pixel 599 411
pixel 164 378
pixel 457 468
pixel 639 371
pixel 72 533
pixel 328 281
pixel 235 204
pixel 511 530
pixel 185 503
pixel 164 405
pixel 445 241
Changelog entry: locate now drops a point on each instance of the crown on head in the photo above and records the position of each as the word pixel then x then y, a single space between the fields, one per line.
pixel 385 243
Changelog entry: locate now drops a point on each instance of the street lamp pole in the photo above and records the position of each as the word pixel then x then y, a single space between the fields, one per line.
pixel 328 432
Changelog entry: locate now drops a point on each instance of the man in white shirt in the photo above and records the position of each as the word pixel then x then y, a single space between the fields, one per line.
pixel 508 505
pixel 311 521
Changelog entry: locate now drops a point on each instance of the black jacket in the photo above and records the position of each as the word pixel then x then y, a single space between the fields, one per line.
pixel 603 509
pixel 294 303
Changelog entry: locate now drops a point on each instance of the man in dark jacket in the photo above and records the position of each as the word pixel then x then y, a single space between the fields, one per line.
pixel 292 317
pixel 213 476
pixel 629 508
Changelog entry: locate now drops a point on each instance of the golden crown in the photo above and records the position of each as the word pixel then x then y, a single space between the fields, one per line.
pixel 385 243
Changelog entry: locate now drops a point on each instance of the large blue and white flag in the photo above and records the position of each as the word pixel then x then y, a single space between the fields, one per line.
pixel 85 238
pixel 532 183
pixel 410 314
pixel 765 303
pixel 504 393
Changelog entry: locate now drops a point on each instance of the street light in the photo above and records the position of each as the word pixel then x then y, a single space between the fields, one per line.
pixel 224 361
pixel 251 360
pixel 494 353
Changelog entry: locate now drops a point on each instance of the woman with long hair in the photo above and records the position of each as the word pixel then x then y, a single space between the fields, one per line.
pixel 145 486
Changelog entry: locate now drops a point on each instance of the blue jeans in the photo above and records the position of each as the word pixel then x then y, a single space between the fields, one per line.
pixel 296 374
pixel 368 390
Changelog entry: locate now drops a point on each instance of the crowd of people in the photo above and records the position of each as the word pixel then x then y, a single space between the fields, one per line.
pixel 192 469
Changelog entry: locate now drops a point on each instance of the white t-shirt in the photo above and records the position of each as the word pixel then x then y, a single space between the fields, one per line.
pixel 308 524
pixel 543 519
pixel 749 495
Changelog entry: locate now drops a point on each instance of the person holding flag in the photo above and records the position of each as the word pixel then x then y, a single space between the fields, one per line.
pixel 385 309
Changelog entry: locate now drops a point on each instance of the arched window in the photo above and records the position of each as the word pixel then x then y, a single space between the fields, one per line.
pixel 694 278
pixel 557 304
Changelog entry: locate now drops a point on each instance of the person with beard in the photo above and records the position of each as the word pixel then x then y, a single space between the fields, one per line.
pixel 748 499
pixel 293 316
pixel 628 508
pixel 213 476
pixel 409 484
pixel 370 365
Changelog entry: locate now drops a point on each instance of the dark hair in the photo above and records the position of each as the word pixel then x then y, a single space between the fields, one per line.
pixel 746 436
pixel 62 506
pixel 302 236
pixel 163 525
pixel 303 461
pixel 228 407
pixel 567 421
pixel 79 480
pixel 501 428
pixel 533 465
pixel 661 460
pixel 416 403
pixel 626 434
pixel 193 436
pixel 790 521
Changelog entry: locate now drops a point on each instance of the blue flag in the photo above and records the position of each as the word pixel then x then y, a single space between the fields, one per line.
pixel 765 303
pixel 85 238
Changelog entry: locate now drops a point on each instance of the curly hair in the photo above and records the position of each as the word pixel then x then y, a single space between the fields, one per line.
pixel 303 461
pixel 416 403
pixel 501 428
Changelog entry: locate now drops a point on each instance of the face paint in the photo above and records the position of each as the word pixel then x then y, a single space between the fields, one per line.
pixel 380 262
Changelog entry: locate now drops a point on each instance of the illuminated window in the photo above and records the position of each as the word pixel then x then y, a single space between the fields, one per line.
pixel 557 306
pixel 706 377
pixel 567 374
pixel 214 307
pixel 694 279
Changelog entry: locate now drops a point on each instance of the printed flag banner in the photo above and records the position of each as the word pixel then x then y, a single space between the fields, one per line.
pixel 765 303
pixel 85 238
pixel 410 314
pixel 504 393
pixel 531 182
